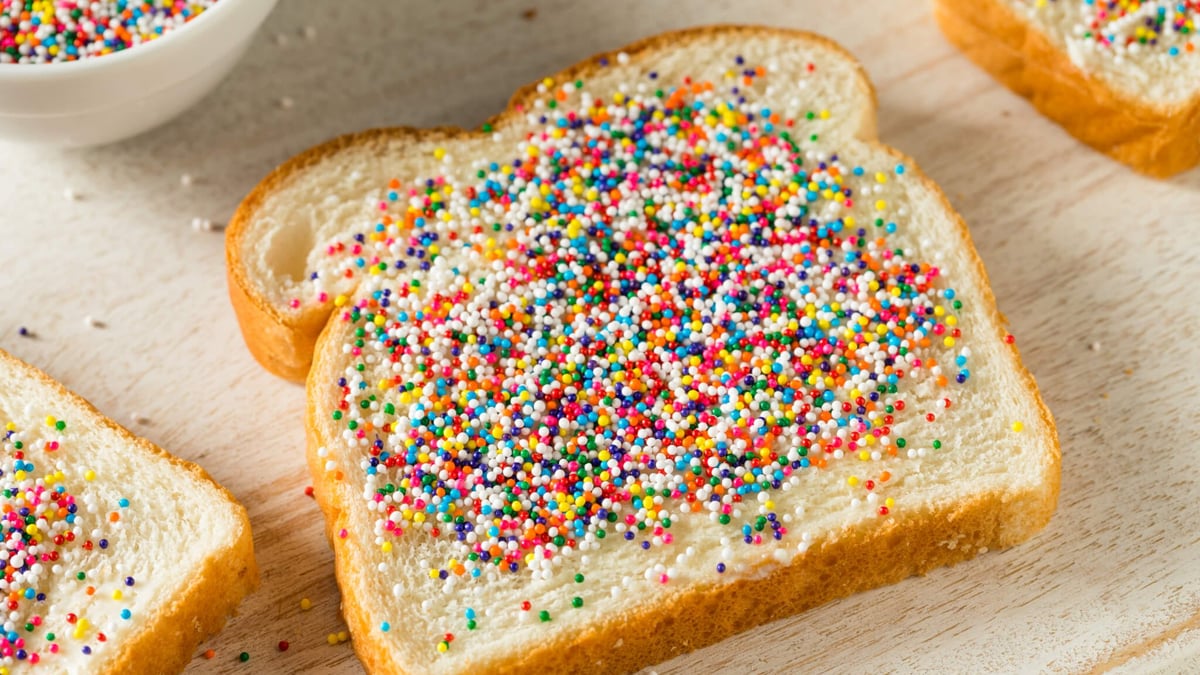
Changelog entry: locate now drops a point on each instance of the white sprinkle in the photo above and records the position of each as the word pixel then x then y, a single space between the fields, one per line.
pixel 286 103
pixel 1095 346
pixel 310 32
pixel 137 419
pixel 186 180
pixel 70 195
pixel 93 322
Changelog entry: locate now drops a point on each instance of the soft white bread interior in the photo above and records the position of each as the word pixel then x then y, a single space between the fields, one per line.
pixel 127 557
pixel 1123 77
pixel 940 485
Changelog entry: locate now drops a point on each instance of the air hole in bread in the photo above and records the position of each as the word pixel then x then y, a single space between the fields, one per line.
pixel 287 249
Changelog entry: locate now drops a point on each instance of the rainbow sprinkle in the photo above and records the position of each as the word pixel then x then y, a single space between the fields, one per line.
pixel 54 31
pixel 1165 25
pixel 48 527
pixel 660 306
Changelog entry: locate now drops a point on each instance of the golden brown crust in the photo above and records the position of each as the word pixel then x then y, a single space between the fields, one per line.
pixel 1157 141
pixel 862 558
pixel 166 642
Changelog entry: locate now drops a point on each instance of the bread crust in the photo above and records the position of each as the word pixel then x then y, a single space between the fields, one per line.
pixel 1159 141
pixel 167 640
pixel 871 555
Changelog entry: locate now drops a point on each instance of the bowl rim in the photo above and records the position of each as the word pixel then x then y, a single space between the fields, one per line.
pixel 16 71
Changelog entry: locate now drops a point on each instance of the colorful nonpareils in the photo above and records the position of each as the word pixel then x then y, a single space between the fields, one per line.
pixel 55 31
pixel 660 306
pixel 1129 26
pixel 51 523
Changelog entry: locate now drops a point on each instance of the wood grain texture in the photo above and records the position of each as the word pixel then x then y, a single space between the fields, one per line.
pixel 1081 252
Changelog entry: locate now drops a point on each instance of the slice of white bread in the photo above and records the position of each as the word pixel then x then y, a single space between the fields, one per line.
pixel 327 243
pixel 119 557
pixel 1122 77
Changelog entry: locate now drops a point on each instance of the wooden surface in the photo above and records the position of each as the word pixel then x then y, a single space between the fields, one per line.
pixel 1097 269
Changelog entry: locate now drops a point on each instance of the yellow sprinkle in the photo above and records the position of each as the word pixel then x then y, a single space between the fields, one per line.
pixel 89 475
pixel 50 420
pixel 443 646
pixel 331 638
pixel 1017 427
pixel 852 481
pixel 439 153
pixel 305 604
pixel 117 595
pixel 342 636
pixel 889 502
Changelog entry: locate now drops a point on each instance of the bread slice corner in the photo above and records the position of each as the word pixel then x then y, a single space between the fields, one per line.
pixel 1100 101
pixel 156 554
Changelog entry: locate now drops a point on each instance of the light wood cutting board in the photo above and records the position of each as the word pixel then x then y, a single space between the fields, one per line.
pixel 1096 268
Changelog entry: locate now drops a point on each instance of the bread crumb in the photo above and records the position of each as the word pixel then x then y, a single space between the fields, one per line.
pixel 529 14
pixel 1095 347
pixel 70 195
pixel 93 322
pixel 1129 371
pixel 280 39
pixel 310 32
pixel 138 419
pixel 286 103
pixel 185 180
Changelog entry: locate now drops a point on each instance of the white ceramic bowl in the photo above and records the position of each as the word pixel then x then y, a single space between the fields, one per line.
pixel 106 98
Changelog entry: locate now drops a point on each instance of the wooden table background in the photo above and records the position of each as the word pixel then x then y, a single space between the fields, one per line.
pixel 1097 269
